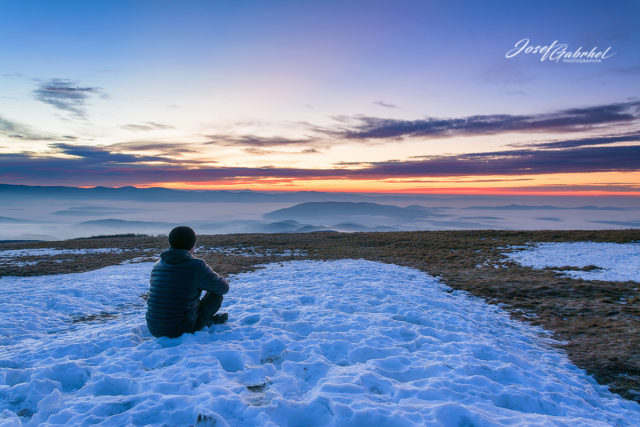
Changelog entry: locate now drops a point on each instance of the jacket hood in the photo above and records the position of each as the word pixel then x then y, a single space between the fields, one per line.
pixel 175 256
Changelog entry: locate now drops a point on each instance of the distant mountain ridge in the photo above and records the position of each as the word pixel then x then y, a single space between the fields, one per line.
pixel 152 194
pixel 545 207
pixel 327 211
pixel 245 226
pixel 92 211
pixel 123 223
pixel 161 194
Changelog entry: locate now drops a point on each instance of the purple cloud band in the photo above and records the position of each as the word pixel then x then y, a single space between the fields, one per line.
pixel 96 166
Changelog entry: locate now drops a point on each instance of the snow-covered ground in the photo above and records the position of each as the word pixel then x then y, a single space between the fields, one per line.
pixel 348 343
pixel 18 253
pixel 251 251
pixel 13 257
pixel 617 261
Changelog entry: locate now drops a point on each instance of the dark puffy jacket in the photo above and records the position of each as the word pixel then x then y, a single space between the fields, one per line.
pixel 177 281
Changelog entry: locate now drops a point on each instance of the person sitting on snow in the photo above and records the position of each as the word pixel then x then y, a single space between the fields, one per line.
pixel 177 281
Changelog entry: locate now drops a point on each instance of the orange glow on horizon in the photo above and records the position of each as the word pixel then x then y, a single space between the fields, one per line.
pixel 593 184
pixel 531 191
pixel 486 191
pixel 568 184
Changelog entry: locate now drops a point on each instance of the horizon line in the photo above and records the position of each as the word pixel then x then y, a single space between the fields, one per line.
pixel 460 191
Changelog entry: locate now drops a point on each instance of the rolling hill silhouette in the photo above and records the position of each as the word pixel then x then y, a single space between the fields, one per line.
pixel 328 212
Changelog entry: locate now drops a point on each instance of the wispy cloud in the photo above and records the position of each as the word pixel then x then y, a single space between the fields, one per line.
pixel 163 148
pixel 515 162
pixel 385 104
pixel 66 95
pixel 122 163
pixel 101 156
pixel 147 126
pixel 374 130
pixel 17 130
pixel 262 151
pixel 98 166
pixel 568 120
pixel 29 168
pixel 255 141
pixel 582 142
pixel 256 151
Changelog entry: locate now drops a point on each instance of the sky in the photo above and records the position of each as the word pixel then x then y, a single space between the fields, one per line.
pixel 435 97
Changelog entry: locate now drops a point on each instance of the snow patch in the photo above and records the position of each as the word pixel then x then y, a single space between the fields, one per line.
pixel 37 308
pixel 18 253
pixel 251 251
pixel 616 261
pixel 12 257
pixel 348 342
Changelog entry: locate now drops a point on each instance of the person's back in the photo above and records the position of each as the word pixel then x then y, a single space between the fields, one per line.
pixel 177 280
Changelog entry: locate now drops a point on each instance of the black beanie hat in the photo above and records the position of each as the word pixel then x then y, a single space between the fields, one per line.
pixel 182 237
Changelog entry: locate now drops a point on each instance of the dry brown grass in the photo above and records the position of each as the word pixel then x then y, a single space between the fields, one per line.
pixel 598 329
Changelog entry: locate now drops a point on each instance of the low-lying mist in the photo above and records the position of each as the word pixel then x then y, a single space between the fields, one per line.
pixel 53 216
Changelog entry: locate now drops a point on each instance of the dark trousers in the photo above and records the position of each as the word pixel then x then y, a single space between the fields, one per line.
pixel 209 305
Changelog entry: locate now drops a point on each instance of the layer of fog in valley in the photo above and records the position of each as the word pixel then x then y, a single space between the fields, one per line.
pixel 51 213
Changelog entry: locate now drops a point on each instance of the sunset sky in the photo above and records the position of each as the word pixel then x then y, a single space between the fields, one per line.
pixel 370 96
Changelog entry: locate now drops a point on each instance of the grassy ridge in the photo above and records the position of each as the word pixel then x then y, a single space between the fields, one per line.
pixel 599 332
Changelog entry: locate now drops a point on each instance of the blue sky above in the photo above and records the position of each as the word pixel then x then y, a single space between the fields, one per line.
pixel 207 83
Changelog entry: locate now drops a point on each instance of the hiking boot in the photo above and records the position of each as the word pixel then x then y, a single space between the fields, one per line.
pixel 218 319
